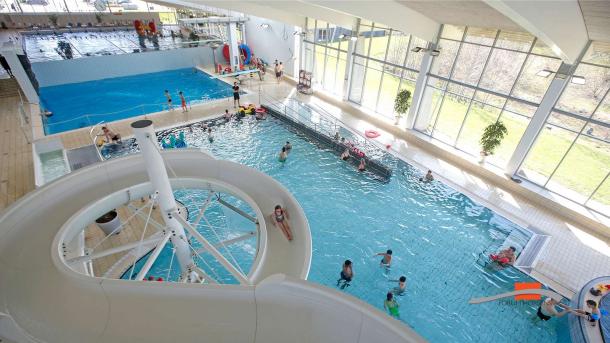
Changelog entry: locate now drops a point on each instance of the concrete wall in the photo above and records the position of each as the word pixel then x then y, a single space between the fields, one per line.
pixel 275 42
pixel 53 73
pixel 15 20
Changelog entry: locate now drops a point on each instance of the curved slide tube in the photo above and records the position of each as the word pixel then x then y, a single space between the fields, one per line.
pixel 43 300
pixel 545 292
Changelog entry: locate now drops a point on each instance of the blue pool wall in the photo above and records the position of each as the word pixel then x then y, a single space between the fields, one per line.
pixel 53 73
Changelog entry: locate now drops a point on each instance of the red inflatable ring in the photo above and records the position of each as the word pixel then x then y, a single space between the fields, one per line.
pixel 372 133
pixel 260 110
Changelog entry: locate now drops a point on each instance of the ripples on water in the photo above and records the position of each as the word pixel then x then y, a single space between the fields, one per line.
pixel 436 235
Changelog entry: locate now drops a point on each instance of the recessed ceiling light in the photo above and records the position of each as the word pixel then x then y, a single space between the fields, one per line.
pixel 579 80
pixel 265 26
pixel 544 73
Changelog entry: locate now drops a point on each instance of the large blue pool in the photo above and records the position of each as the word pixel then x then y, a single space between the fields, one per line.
pixel 77 105
pixel 435 232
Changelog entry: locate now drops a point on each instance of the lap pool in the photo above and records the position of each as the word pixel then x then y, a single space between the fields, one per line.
pixel 78 105
pixel 435 232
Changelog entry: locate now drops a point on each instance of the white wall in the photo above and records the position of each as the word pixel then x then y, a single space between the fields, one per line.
pixel 53 73
pixel 275 42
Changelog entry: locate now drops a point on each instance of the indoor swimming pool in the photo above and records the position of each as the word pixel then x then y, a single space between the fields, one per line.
pixel 78 105
pixel 435 232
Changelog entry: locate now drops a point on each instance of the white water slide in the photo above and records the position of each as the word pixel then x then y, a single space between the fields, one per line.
pixel 43 299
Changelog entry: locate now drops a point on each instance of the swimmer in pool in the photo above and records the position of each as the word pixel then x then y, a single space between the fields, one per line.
pixel 346 275
pixel 547 309
pixel 210 135
pixel 227 115
pixel 362 165
pixel 504 257
pixel 386 261
pixel 283 155
pixel 288 147
pixel 402 286
pixel 428 178
pixel 279 217
pixel 391 305
pixel 345 154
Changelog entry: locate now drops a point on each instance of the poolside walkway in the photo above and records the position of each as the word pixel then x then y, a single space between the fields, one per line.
pixel 573 256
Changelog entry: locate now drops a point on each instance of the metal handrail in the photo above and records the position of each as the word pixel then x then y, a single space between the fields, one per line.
pixel 372 149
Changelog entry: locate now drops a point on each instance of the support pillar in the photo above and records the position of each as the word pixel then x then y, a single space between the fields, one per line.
pixel 146 138
pixel 233 46
pixel 420 86
pixel 536 125
pixel 351 45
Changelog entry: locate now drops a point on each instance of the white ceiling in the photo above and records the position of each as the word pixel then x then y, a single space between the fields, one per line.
pixel 455 12
pixel 597 18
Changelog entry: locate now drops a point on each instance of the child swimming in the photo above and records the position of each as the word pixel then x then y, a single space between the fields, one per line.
pixel 346 275
pixel 386 261
pixel 391 305
pixel 402 286
pixel 283 155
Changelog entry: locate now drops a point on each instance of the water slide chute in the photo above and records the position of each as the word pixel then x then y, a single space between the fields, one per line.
pixel 244 50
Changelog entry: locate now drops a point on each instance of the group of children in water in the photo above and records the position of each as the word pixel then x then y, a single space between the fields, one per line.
pixel 389 304
pixel 170 105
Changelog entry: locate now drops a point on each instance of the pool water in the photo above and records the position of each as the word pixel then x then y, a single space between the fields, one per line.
pixel 53 165
pixel 77 105
pixel 435 232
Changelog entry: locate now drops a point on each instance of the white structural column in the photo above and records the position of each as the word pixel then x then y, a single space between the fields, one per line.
pixel 147 141
pixel 233 46
pixel 420 86
pixel 349 63
pixel 10 51
pixel 539 119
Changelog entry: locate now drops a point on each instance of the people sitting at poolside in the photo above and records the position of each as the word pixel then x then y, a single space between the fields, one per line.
pixel 505 257
pixel 402 286
pixel 345 155
pixel 283 155
pixel 109 136
pixel 337 136
pixel 591 313
pixel 346 275
pixel 280 219
pixel 390 305
pixel 288 147
pixel 362 165
pixel 548 310
pixel 386 261
pixel 428 178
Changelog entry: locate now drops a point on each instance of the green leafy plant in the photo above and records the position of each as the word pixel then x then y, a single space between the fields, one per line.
pixel 492 137
pixel 98 17
pixel 53 18
pixel 402 102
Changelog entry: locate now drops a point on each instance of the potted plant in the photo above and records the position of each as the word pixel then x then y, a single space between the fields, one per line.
pixel 402 103
pixel 109 222
pixel 492 138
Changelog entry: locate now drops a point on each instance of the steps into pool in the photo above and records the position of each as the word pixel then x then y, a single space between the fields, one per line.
pixel 381 172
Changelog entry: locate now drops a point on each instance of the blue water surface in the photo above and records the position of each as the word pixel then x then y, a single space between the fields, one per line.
pixel 435 232
pixel 77 105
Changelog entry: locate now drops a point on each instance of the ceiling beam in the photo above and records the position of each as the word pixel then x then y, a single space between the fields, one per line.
pixel 312 11
pixel 386 12
pixel 559 24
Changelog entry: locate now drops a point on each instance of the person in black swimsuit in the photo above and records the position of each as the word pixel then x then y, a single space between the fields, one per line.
pixel 236 95
pixel 346 275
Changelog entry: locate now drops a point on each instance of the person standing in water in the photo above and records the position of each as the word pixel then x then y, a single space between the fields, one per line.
pixel 346 275
pixel 391 305
pixel 182 102
pixel 210 135
pixel 402 286
pixel 548 310
pixel 362 165
pixel 386 261
pixel 288 147
pixel 169 100
pixel 283 155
